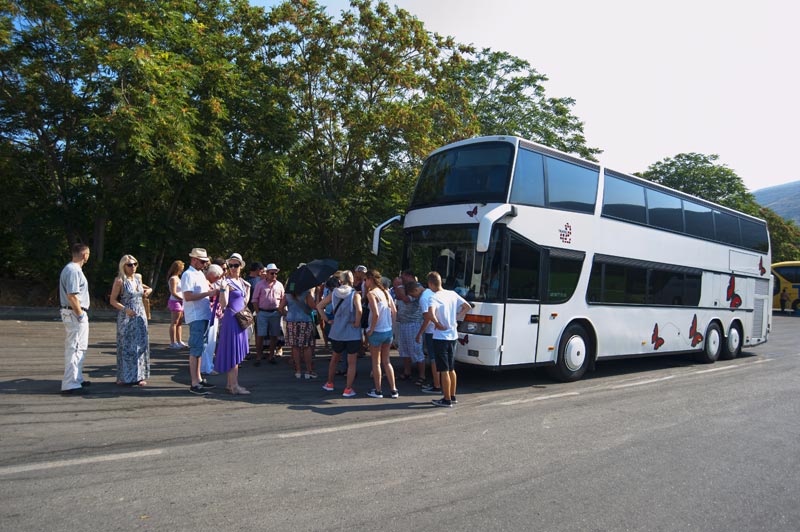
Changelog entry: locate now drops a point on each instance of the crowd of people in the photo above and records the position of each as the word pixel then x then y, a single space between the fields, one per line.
pixel 356 311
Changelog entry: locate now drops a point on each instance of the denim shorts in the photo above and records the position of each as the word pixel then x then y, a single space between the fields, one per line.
pixel 268 323
pixel 198 329
pixel 380 338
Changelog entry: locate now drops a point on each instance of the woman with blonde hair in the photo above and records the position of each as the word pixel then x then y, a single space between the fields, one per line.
pixel 133 343
pixel 175 304
pixel 379 334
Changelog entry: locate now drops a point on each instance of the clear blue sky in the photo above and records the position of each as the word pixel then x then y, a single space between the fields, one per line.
pixel 652 80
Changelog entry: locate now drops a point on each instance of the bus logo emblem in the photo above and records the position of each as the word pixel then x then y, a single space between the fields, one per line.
pixel 566 234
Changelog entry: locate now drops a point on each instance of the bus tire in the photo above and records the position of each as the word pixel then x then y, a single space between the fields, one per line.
pixel 795 305
pixel 574 354
pixel 732 346
pixel 712 347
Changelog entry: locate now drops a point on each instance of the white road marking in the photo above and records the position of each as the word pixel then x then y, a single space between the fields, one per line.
pixel 723 368
pixel 540 398
pixel 354 426
pixel 642 383
pixel 11 470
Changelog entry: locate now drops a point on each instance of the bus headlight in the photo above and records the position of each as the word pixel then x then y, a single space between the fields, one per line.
pixel 476 324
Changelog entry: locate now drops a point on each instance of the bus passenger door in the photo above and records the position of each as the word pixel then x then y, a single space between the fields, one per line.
pixel 521 316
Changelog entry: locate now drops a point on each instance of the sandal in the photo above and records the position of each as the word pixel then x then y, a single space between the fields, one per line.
pixel 405 377
pixel 419 382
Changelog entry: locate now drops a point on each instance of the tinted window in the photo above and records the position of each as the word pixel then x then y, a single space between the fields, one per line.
pixel 563 279
pixel 665 288
pixel 623 199
pixel 754 235
pixel 473 173
pixel 528 185
pixel 523 271
pixel 699 220
pixel 790 273
pixel 664 211
pixel 570 186
pixel 727 226
pixel 623 283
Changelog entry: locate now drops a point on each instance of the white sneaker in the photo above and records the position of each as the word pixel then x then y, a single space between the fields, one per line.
pixel 298 375
pixel 311 376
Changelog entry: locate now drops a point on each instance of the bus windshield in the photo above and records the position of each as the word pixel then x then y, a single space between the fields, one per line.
pixel 473 173
pixel 451 252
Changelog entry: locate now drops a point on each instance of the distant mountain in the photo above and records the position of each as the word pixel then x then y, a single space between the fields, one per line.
pixel 783 199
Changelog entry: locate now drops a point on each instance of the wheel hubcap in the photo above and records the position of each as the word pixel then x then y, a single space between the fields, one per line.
pixel 713 342
pixel 733 340
pixel 575 353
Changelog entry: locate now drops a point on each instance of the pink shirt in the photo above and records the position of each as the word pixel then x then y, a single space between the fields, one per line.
pixel 267 296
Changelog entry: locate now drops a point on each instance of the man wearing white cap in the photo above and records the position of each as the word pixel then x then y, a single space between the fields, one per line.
pixel 197 313
pixel 266 299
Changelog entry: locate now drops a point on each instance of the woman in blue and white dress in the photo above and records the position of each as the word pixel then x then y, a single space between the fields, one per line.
pixel 133 341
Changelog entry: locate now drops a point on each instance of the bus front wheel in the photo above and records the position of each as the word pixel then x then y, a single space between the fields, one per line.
pixel 712 346
pixel 732 346
pixel 574 355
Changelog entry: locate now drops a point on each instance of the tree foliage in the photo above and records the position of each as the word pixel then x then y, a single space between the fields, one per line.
pixel 153 126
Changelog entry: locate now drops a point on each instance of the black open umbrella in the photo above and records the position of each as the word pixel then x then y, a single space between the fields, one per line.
pixel 312 274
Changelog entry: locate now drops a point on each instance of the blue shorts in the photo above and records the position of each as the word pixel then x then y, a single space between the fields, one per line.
pixel 380 338
pixel 198 333
pixel 268 323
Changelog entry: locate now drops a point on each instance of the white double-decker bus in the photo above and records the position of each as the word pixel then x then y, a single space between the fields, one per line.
pixel 567 262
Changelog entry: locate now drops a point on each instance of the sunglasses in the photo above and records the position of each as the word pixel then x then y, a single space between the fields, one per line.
pixel 234 265
pixel 132 264
pixel 272 273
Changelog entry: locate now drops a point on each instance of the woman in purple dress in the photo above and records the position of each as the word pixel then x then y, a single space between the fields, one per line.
pixel 233 344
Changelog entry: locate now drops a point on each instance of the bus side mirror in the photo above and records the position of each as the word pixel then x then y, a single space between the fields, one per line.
pixel 376 235
pixel 487 222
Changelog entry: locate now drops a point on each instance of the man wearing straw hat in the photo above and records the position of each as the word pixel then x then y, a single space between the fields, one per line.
pixel 197 313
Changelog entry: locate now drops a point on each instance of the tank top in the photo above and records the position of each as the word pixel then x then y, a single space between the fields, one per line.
pixel 342 329
pixel 384 323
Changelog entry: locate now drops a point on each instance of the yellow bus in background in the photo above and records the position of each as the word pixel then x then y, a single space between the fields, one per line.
pixel 786 275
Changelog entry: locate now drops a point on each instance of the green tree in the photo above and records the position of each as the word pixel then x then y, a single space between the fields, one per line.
pixel 700 175
pixel 507 97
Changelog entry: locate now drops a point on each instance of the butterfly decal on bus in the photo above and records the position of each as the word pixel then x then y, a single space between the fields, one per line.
pixel 761 266
pixel 731 295
pixel 655 339
pixel 695 336
pixel 472 213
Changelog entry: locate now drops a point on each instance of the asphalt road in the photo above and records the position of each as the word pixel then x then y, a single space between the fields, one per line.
pixel 648 444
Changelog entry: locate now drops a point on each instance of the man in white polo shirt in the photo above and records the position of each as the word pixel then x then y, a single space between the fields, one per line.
pixel 197 313
pixel 73 292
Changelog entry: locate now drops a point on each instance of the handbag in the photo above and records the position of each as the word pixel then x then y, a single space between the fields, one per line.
pixel 244 318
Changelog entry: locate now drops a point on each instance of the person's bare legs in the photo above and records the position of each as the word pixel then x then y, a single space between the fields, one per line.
pixel 444 377
pixel 308 358
pixel 352 360
pixel 375 354
pixel 296 359
pixel 387 367
pixel 194 370
pixel 332 366
pixel 259 347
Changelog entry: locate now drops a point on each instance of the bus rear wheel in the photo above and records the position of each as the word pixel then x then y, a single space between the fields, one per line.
pixel 712 346
pixel 574 355
pixel 732 346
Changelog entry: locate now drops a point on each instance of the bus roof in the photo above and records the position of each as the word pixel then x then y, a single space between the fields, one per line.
pixel 516 141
